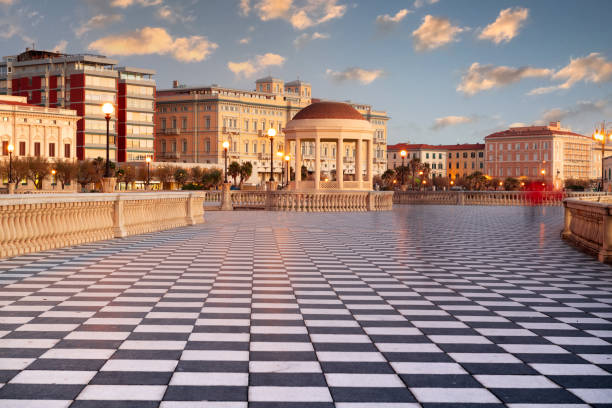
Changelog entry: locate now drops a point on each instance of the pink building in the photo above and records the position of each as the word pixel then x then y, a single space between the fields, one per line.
pixel 549 153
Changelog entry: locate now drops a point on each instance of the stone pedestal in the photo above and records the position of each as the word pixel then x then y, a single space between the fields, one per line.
pixel 226 197
pixel 271 185
pixel 11 188
pixel 404 187
pixel 108 184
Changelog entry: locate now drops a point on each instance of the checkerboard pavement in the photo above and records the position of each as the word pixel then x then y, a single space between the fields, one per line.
pixel 425 306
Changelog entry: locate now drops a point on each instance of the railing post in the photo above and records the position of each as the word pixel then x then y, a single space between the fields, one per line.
pixel 226 198
pixel 118 218
pixel 605 254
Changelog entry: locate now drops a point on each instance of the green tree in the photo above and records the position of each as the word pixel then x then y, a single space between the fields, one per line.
pixel 387 178
pixel 164 174
pixel 196 174
pixel 233 170
pixel 246 169
pixel 212 178
pixel 38 170
pixel 180 176
pixel 415 167
pixel 87 173
pixel 512 184
pixel 66 171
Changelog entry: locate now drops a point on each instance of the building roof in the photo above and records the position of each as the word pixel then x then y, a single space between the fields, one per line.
pixel 328 110
pixel 297 82
pixel 532 131
pixel 268 79
pixel 421 146
pixel 465 146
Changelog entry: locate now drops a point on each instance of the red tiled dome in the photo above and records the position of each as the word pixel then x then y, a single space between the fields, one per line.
pixel 328 110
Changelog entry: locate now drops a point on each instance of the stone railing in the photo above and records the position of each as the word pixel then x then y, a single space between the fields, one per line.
pixel 31 223
pixel 248 199
pixel 330 201
pixel 488 197
pixel 213 196
pixel 588 225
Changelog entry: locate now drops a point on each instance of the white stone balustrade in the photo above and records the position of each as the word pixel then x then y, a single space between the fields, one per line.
pixel 319 201
pixel 554 198
pixel 588 225
pixel 248 198
pixel 31 223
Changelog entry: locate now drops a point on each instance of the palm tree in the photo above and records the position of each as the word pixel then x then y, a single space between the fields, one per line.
pixel 245 172
pixel 415 165
pixel 180 176
pixel 388 177
pixel 234 170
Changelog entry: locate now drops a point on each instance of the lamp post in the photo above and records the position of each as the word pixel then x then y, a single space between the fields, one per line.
pixel 280 156
pixel 403 153
pixel 10 149
pixel 225 147
pixel 54 180
pixel 600 135
pixel 271 134
pixel 287 159
pixel 148 160
pixel 108 110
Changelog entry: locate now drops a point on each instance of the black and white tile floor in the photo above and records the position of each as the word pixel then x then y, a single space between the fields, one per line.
pixel 426 306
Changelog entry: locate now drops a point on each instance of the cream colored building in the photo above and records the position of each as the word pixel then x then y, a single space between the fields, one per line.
pixel 193 122
pixel 434 156
pixel 35 130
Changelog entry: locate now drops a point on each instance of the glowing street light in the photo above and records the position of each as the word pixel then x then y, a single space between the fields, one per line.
pixel 108 110
pixel 225 147
pixel 600 135
pixel 148 160
pixel 271 134
pixel 10 149
pixel 54 181
pixel 403 153
pixel 287 159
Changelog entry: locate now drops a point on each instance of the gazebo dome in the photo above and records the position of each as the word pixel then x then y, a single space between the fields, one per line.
pixel 329 110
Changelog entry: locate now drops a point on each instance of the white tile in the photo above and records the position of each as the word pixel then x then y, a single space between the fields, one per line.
pixel 593 395
pixel 339 338
pixel 533 349
pixel 450 339
pixel 578 341
pixel 25 403
pixel 48 327
pixel 210 379
pixel 79 354
pixel 289 394
pixel 140 365
pixel 393 331
pixel 568 369
pixel 279 330
pixel 408 348
pixel 281 346
pixel 515 381
pixel 454 395
pixel 427 368
pixel 158 328
pixel 53 377
pixel 123 392
pixel 597 358
pixel 505 332
pixel 348 356
pixel 28 343
pixel 215 355
pixel 484 358
pixel 284 367
pixel 376 405
pixel 363 380
pixel 152 345
pixel 15 363
pixel 203 404
pixel 240 337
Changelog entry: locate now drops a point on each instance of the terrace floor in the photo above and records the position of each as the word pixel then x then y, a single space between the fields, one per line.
pixel 424 306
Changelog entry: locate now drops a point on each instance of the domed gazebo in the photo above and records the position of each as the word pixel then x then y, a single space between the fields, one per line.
pixel 332 122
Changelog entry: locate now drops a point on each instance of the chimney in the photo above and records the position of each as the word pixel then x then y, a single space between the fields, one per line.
pixel 555 125
pixel 175 83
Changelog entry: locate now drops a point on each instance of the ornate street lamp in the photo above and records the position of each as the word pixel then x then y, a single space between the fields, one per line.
pixel 601 136
pixel 148 160
pixel 403 153
pixel 287 158
pixel 280 156
pixel 10 149
pixel 271 134
pixel 225 147
pixel 108 110
pixel 54 180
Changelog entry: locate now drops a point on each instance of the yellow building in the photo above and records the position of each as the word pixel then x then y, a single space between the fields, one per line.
pixel 464 159
pixel 193 122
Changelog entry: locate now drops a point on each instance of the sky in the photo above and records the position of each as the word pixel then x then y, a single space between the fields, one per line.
pixel 445 71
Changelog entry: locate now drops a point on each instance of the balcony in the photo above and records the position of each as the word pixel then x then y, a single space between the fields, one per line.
pixel 172 131
pixel 231 130
pixel 348 159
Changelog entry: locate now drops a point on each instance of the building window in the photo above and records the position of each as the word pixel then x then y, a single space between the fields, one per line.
pixel 207 122
pixel 184 146
pixel 254 147
pixel 183 123
pixel 207 145
pixel 173 123
pixel 246 147
pixel 163 146
pixel 427 155
pixel 246 125
pixel 163 123
pixel 457 165
pixel 22 148
pixel 173 146
pixel 66 150
pixel 37 149
pixel 480 154
pixel 5 151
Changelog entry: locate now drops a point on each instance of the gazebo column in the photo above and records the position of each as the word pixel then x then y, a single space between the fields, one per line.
pixel 317 169
pixel 358 169
pixel 340 164
pixel 370 159
pixel 298 163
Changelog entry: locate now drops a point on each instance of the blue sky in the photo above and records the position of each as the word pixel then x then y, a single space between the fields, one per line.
pixel 446 71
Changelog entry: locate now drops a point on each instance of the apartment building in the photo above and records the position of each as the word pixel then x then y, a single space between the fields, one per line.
pixel 83 82
pixel 434 156
pixel 464 159
pixel 193 122
pixel 549 153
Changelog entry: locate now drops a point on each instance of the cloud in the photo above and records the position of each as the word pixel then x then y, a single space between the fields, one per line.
pixel 580 109
pixel 506 26
pixel 244 40
pixel 245 7
pixel 441 123
pixel 7 2
pixel 128 3
pixel 517 124
pixel 355 74
pixel 60 47
pixel 302 14
pixel 387 22
pixel 155 40
pixel 97 21
pixel 480 78
pixel 434 32
pixel 252 66
pixel 421 3
pixel 173 15
pixel 305 38
pixel 592 68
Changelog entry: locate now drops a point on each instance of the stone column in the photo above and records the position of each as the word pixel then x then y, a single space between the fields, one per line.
pixel 11 188
pixel 226 197
pixel 358 169
pixel 317 172
pixel 370 163
pixel 340 164
pixel 298 163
